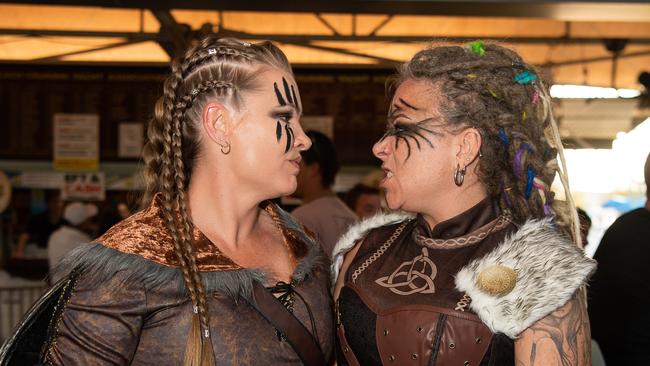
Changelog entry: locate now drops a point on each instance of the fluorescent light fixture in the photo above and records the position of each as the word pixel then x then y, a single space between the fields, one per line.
pixel 591 92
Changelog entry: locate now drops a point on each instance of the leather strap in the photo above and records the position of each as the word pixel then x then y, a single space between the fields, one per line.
pixel 297 335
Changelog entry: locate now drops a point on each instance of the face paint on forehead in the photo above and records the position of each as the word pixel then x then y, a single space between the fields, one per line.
pixel 289 96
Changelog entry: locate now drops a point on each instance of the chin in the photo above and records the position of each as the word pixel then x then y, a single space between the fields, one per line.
pixel 288 188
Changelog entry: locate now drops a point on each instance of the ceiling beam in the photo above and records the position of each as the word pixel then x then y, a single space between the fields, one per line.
pixel 100 48
pixel 172 35
pixel 325 37
pixel 595 10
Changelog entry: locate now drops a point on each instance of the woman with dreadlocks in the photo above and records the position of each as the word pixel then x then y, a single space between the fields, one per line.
pixel 486 272
pixel 185 281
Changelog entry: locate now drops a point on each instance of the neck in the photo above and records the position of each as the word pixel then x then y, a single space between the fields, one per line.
pixel 223 216
pixel 316 193
pixel 451 205
pixel 647 204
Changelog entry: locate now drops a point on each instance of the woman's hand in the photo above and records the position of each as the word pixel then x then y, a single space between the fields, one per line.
pixel 561 338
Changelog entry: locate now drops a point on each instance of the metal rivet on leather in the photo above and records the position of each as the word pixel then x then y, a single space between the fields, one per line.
pixel 466 363
pixel 385 331
pixel 346 349
pixel 420 329
pixel 452 345
pixel 414 356
pixel 478 340
pixel 391 358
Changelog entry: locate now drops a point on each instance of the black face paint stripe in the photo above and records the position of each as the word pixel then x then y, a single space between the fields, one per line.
pixel 278 94
pixel 287 92
pixel 423 138
pixel 278 130
pixel 417 143
pixel 295 98
pixel 293 137
pixel 289 142
pixel 408 151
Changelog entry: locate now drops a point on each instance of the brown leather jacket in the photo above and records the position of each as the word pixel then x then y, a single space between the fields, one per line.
pixel 127 302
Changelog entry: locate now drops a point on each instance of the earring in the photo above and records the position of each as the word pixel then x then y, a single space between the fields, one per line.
pixel 226 149
pixel 459 175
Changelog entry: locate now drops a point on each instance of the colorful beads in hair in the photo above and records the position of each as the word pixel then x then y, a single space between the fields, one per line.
pixel 525 78
pixel 530 175
pixel 518 155
pixel 477 48
pixel 535 97
pixel 503 137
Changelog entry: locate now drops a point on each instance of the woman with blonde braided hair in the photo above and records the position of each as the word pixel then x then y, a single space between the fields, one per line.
pixel 489 270
pixel 190 279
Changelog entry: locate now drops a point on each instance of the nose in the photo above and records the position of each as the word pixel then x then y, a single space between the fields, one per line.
pixel 381 148
pixel 303 142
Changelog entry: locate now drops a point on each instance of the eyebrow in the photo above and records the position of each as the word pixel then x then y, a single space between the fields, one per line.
pixel 279 108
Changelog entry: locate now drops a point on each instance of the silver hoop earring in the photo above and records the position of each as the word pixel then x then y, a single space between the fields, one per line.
pixel 226 149
pixel 459 175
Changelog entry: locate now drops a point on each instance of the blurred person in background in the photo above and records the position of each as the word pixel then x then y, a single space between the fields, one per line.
pixel 585 225
pixel 321 211
pixel 621 282
pixel 123 210
pixel 41 226
pixel 489 271
pixel 77 228
pixel 190 279
pixel 363 200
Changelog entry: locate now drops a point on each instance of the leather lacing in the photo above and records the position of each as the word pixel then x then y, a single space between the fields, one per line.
pixel 286 292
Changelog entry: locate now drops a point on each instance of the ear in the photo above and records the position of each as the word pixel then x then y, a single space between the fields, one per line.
pixel 217 123
pixel 469 146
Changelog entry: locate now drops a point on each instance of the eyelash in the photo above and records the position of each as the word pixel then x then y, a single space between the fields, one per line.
pixel 284 117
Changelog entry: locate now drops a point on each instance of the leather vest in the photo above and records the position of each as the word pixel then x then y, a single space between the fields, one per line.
pixel 399 304
pixel 127 304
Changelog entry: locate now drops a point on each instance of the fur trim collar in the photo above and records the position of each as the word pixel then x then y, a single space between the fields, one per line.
pixel 98 262
pixel 549 268
pixel 358 231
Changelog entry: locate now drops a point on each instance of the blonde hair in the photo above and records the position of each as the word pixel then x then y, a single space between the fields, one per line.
pixel 213 69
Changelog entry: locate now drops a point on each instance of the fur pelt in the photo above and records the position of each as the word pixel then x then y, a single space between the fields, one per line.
pixel 358 231
pixel 549 267
pixel 98 264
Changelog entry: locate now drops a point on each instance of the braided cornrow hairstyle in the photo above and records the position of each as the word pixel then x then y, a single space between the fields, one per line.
pixel 213 69
pixel 490 88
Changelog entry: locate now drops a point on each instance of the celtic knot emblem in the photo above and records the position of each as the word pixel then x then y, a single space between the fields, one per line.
pixel 411 277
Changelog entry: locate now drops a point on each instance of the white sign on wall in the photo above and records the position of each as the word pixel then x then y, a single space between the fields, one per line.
pixel 324 124
pixel 76 142
pixel 131 136
pixel 84 187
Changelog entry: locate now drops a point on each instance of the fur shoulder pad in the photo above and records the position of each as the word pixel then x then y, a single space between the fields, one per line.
pixel 360 230
pixel 549 268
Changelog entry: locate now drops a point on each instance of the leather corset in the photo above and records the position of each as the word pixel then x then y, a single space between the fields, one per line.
pixel 399 304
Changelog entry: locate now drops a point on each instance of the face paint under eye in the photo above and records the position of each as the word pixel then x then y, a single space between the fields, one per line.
pixel 413 131
pixel 289 132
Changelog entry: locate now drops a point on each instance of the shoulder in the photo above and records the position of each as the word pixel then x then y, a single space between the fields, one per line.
pixel 361 230
pixel 543 267
pixel 636 217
